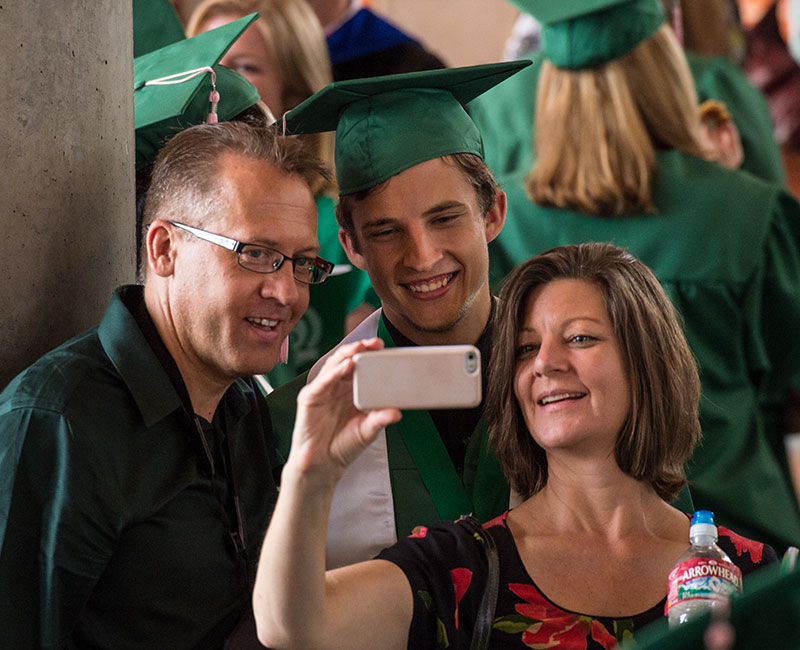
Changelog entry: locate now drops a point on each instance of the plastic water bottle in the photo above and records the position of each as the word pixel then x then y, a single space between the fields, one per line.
pixel 704 576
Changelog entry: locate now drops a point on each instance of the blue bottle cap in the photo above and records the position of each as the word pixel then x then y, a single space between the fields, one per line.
pixel 702 517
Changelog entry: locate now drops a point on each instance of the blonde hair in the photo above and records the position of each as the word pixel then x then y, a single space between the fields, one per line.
pixel 598 129
pixel 296 42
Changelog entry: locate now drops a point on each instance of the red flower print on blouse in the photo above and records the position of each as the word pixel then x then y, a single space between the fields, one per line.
pixel 461 579
pixel 499 520
pixel 742 544
pixel 552 627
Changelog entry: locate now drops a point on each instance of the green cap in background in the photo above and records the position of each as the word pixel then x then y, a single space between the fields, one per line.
pixel 155 24
pixel 384 125
pixel 584 33
pixel 161 111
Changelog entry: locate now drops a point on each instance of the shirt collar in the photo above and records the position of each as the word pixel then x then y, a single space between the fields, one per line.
pixel 132 356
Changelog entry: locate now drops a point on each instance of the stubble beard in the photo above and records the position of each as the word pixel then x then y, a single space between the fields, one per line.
pixel 443 328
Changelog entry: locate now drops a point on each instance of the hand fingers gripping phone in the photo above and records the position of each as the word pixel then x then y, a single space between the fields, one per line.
pixel 424 377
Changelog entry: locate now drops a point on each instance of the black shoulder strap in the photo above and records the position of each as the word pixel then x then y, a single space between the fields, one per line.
pixel 482 629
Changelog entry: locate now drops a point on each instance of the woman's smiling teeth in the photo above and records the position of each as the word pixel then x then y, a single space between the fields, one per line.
pixel 426 287
pixel 560 397
pixel 263 322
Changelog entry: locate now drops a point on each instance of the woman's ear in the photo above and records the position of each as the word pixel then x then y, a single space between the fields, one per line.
pixel 720 136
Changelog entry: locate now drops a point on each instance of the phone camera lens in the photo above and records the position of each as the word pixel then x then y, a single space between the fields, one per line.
pixel 471 362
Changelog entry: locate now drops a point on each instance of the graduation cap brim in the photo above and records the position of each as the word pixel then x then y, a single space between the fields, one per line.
pixel 321 111
pixel 385 125
pixel 154 104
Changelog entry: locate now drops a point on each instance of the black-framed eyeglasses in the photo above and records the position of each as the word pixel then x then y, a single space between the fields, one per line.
pixel 261 259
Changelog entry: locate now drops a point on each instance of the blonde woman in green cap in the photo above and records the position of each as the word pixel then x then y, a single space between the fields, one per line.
pixel 618 158
pixel 741 136
pixel 577 385
pixel 283 54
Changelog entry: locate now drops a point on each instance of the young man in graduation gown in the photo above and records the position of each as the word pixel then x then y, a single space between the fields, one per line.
pixel 137 459
pixel 417 209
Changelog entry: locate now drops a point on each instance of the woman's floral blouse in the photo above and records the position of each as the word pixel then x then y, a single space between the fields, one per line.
pixel 446 567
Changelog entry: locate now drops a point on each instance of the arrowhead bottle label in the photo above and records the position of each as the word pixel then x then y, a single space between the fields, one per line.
pixel 703 578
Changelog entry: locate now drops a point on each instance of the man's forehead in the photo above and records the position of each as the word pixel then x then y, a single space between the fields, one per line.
pixel 260 181
pixel 267 205
pixel 420 191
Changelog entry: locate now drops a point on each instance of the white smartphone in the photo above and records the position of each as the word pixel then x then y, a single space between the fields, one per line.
pixel 424 377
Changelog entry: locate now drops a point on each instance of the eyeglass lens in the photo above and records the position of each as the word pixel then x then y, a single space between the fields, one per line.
pixel 267 260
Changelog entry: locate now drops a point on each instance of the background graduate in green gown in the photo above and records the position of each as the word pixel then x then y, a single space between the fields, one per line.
pixel 505 115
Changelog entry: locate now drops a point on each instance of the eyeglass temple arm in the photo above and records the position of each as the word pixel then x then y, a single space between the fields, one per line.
pixel 220 240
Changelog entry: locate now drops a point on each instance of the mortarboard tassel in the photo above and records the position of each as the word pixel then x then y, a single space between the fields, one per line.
pixel 213 97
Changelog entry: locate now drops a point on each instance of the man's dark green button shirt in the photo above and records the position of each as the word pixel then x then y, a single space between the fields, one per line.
pixel 111 535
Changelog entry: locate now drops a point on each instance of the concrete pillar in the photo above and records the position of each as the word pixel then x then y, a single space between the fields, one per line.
pixel 66 182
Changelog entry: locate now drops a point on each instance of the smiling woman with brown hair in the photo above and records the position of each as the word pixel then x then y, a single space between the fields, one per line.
pixel 593 402
pixel 662 427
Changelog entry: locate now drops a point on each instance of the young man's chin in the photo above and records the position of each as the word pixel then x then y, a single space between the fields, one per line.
pixel 434 323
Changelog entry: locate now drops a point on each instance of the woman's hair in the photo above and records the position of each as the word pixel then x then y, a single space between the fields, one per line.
pixel 598 129
pixel 662 427
pixel 296 42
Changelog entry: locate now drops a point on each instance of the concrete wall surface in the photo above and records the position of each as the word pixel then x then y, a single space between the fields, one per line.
pixel 66 181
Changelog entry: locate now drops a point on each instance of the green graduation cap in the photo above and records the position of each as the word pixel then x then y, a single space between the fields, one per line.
pixel 172 87
pixel 584 33
pixel 384 125
pixel 155 24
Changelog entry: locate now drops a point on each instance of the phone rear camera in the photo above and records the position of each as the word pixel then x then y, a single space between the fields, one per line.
pixel 471 362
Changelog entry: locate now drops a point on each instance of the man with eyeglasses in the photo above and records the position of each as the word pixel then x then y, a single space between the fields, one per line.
pixel 137 459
